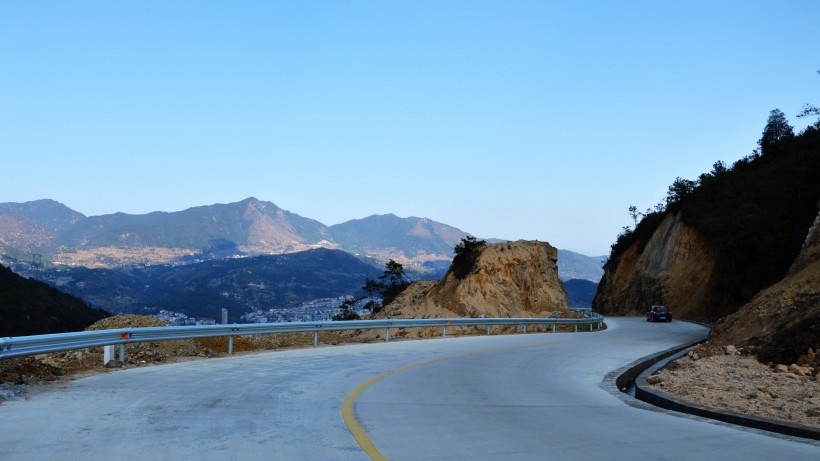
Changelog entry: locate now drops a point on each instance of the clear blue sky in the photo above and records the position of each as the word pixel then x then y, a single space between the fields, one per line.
pixel 508 119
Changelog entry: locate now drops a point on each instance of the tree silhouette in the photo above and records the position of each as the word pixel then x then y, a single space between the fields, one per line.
pixel 777 129
pixel 633 213
pixel 466 255
pixel 679 189
pixel 810 109
pixel 346 310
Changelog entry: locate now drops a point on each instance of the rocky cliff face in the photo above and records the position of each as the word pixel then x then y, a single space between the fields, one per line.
pixel 782 322
pixel 512 279
pixel 675 267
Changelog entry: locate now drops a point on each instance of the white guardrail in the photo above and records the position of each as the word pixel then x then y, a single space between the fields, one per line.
pixel 19 346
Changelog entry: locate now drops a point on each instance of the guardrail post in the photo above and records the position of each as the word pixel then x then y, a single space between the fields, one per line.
pixel 387 334
pixel 525 328
pixel 553 326
pixel 488 329
pixel 315 338
pixel 126 336
pixel 108 354
pixel 230 345
pixel 576 328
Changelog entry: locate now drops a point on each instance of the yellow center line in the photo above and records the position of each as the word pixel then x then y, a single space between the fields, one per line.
pixel 355 428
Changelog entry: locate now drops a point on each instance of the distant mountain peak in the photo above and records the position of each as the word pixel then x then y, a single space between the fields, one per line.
pixel 420 229
pixel 253 201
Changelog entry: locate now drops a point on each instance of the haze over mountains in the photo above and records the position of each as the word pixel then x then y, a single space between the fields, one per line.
pixel 249 256
pixel 46 231
pixel 59 234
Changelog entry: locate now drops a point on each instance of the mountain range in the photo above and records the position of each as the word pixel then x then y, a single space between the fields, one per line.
pixel 573 265
pixel 50 230
pixel 247 256
pixel 48 233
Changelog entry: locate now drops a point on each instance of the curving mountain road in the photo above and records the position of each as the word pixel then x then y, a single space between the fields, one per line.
pixel 534 396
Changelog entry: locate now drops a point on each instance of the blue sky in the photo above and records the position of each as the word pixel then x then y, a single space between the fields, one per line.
pixel 507 119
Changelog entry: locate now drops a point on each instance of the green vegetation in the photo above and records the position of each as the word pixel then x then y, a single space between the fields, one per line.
pixel 466 252
pixel 347 312
pixel 810 109
pixel 202 289
pixel 756 212
pixel 29 307
pixel 580 293
pixel 394 281
pixel 777 129
pixel 390 284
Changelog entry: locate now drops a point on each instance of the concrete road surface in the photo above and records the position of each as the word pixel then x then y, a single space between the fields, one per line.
pixel 522 397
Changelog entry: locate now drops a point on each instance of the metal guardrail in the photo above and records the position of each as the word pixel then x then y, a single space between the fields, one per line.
pixel 41 344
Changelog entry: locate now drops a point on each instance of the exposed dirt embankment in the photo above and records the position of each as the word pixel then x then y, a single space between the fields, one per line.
pixel 675 267
pixel 764 359
pixel 512 279
pixel 782 322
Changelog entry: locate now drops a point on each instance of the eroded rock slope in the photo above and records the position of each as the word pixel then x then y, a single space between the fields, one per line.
pixel 511 279
pixel 675 267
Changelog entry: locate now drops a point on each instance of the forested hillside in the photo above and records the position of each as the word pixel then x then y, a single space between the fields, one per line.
pixel 29 307
pixel 239 285
pixel 755 215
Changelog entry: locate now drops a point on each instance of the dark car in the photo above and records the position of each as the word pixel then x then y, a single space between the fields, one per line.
pixel 659 314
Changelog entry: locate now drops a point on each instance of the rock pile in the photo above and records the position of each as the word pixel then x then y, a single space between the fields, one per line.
pixel 49 367
pixel 136 353
pixel 733 381
pixel 16 373
pixel 762 359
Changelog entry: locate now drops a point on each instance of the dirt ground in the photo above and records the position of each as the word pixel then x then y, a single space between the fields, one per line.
pixel 730 380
